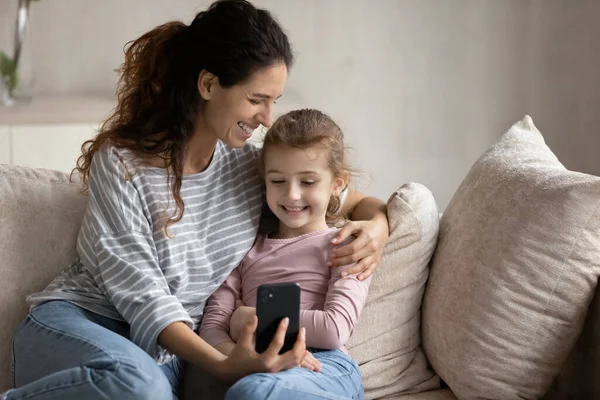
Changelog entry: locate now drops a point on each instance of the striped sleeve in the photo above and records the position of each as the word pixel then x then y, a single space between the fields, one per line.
pixel 116 246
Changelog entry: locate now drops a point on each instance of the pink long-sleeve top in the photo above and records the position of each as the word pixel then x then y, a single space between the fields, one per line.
pixel 330 304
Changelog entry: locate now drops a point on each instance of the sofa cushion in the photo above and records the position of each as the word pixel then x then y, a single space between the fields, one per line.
pixel 40 215
pixel 440 394
pixel 514 272
pixel 386 343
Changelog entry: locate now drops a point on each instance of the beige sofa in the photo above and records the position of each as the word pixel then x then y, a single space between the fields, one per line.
pixel 476 298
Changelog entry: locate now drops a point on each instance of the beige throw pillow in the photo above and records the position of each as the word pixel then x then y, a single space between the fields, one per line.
pixel 514 272
pixel 387 340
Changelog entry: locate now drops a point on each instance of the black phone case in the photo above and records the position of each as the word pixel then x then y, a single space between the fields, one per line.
pixel 275 301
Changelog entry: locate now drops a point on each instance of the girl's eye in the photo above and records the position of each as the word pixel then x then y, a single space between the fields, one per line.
pixel 276 182
pixel 309 183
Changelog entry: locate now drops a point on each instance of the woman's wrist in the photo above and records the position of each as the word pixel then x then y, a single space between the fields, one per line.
pixel 180 340
pixel 206 356
pixel 225 347
pixel 370 209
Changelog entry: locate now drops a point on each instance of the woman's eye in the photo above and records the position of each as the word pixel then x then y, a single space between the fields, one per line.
pixel 255 102
pixel 309 183
pixel 276 182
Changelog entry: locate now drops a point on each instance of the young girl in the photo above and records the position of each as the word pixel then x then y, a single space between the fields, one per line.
pixel 302 163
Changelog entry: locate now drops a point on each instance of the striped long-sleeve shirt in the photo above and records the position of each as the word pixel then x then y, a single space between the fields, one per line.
pixel 129 270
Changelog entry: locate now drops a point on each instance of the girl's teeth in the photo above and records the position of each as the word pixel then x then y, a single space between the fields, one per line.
pixel 294 208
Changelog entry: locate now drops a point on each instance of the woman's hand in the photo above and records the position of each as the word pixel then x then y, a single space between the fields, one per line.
pixel 371 236
pixel 244 360
pixel 241 317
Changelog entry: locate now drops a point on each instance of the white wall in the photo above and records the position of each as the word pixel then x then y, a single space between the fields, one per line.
pixel 421 87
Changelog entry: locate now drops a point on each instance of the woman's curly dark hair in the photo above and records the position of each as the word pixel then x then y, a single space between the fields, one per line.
pixel 158 98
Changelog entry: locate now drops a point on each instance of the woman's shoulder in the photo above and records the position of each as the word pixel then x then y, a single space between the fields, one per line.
pixel 108 154
pixel 247 152
pixel 109 162
pixel 252 148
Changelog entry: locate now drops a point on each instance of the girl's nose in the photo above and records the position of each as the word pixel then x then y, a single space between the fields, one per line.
pixel 293 192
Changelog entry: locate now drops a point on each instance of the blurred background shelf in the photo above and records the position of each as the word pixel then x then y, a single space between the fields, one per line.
pixel 48 132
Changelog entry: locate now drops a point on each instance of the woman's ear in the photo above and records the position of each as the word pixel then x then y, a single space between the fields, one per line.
pixel 206 84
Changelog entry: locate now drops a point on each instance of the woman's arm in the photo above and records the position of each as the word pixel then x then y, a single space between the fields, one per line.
pixel 179 339
pixel 369 225
pixel 214 350
pixel 116 246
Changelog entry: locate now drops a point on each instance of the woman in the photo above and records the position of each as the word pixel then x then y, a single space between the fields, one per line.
pixel 175 203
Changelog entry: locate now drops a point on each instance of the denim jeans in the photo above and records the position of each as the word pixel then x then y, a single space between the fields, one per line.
pixel 339 379
pixel 62 351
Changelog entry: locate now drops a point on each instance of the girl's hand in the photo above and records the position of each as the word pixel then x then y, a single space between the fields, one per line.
pixel 244 360
pixel 371 236
pixel 240 318
pixel 310 362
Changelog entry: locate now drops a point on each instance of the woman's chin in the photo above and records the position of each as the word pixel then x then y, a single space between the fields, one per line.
pixel 235 142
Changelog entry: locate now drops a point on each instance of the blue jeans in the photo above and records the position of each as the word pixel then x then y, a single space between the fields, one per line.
pixel 62 351
pixel 339 379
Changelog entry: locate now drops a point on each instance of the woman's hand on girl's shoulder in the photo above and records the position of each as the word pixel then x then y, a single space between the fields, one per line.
pixel 365 250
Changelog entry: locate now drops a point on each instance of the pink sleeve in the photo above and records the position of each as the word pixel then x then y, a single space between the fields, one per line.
pixel 332 327
pixel 217 313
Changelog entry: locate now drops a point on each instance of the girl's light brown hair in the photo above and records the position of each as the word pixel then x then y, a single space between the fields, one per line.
pixel 307 128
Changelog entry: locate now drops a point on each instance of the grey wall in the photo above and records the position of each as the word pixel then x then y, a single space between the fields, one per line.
pixel 566 78
pixel 421 87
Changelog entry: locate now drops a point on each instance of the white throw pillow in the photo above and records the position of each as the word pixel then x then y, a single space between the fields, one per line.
pixel 515 270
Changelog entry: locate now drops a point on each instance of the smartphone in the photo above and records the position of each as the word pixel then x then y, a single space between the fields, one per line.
pixel 274 302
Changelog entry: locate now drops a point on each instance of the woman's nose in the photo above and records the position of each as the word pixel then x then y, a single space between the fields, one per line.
pixel 265 118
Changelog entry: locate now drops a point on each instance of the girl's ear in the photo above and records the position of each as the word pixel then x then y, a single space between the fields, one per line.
pixel 340 183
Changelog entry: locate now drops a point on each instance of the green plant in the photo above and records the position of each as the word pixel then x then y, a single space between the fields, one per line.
pixel 8 70
pixel 8 66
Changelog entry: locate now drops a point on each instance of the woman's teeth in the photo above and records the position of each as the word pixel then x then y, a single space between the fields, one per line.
pixel 245 128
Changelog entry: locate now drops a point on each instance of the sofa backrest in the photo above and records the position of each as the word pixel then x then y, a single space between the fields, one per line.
pixel 40 215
